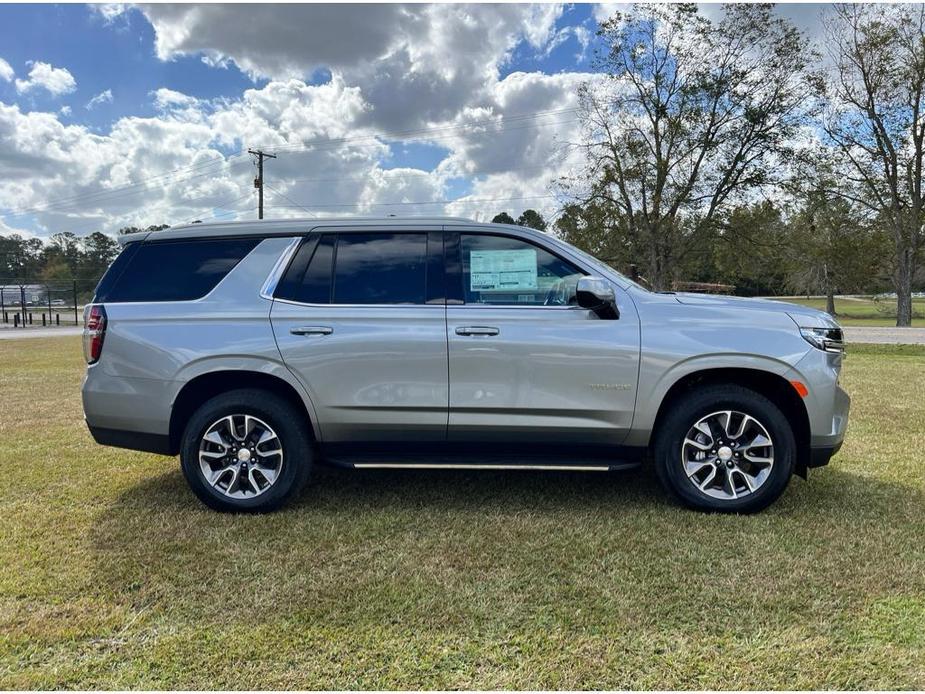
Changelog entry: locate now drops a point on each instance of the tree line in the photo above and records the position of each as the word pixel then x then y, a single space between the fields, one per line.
pixel 64 256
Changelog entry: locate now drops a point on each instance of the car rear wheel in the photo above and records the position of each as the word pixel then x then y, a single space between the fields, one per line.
pixel 246 450
pixel 725 448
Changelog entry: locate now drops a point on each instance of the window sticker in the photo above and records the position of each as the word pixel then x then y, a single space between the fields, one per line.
pixel 502 270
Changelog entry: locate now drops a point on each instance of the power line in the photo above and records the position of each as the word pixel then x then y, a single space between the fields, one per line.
pixel 306 147
pixel 421 202
pixel 290 200
pixel 258 182
pixel 112 194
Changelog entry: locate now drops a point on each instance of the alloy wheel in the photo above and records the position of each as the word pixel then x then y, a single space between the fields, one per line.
pixel 728 455
pixel 240 456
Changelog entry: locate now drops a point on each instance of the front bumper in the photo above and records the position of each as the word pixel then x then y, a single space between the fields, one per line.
pixel 820 455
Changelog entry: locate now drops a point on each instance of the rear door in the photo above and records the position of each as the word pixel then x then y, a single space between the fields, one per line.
pixel 360 319
pixel 526 363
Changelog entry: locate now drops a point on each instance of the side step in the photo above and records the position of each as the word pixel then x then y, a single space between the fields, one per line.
pixel 460 463
pixel 482 466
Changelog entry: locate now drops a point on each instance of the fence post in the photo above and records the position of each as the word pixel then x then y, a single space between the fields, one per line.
pixel 22 303
pixel 76 321
pixel 43 319
pixel 15 320
pixel 57 319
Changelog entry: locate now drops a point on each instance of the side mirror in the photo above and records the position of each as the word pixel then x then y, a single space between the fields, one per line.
pixel 596 294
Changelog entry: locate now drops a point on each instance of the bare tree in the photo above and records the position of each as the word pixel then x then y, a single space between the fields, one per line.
pixel 875 119
pixel 689 116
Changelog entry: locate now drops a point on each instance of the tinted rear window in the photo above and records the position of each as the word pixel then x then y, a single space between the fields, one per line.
pixel 171 270
pixel 380 269
pixel 374 268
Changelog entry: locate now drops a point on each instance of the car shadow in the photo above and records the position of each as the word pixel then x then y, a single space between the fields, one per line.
pixel 383 530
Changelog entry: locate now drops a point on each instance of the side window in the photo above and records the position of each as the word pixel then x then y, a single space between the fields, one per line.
pixel 171 270
pixel 380 268
pixel 501 270
pixel 373 268
pixel 308 278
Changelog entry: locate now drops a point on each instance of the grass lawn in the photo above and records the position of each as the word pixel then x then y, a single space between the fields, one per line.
pixel 864 311
pixel 113 576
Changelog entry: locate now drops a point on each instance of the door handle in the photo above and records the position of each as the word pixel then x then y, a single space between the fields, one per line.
pixel 312 330
pixel 477 330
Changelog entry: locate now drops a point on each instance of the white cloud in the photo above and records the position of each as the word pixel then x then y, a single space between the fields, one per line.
pixel 104 97
pixel 415 74
pixel 6 72
pixel 65 110
pixel 55 80
pixel 109 10
pixel 164 98
pixel 416 64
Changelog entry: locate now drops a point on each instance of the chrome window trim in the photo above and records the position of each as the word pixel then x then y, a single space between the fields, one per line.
pixel 269 285
pixel 291 302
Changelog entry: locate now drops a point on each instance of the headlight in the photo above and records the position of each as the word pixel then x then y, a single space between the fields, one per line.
pixel 826 339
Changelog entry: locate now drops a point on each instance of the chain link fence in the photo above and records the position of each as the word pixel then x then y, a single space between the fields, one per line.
pixel 32 302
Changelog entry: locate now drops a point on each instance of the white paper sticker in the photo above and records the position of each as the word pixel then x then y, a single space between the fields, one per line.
pixel 502 270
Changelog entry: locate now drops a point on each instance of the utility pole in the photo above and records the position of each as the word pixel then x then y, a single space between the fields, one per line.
pixel 258 182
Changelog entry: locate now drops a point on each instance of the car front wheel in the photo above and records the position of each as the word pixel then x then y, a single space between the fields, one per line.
pixel 725 448
pixel 246 450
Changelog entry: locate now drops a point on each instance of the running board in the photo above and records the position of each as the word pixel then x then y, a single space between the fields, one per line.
pixel 487 466
pixel 369 463
pixel 480 456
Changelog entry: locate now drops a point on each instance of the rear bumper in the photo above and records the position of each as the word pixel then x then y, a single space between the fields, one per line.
pixel 134 440
pixel 136 407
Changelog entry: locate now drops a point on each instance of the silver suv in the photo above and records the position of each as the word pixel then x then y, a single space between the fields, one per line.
pixel 255 350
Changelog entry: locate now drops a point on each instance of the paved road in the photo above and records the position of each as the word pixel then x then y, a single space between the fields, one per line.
pixel 25 333
pixel 886 336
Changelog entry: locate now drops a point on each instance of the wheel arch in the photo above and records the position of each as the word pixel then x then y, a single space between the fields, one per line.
pixel 771 385
pixel 205 386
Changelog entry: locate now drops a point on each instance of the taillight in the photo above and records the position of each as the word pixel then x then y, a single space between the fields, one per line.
pixel 94 332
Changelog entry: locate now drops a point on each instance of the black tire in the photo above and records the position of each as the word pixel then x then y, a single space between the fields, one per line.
pixel 688 410
pixel 291 429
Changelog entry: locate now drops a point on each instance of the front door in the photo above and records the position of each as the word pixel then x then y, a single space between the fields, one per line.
pixel 360 319
pixel 526 363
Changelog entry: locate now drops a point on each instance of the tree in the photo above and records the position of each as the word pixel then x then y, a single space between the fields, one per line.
pixel 64 247
pixel 690 116
pixel 836 248
pixel 532 219
pixel 751 248
pixel 20 257
pixel 875 120
pixel 596 229
pixel 503 218
pixel 97 251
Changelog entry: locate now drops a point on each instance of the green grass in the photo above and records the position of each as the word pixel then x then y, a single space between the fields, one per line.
pixel 113 576
pixel 865 311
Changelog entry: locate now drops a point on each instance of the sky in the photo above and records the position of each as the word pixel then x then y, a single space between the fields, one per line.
pixel 132 115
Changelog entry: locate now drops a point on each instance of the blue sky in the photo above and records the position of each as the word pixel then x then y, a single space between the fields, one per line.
pixel 487 93
pixel 120 56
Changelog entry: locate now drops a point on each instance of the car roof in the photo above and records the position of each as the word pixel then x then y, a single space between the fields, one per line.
pixel 300 225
